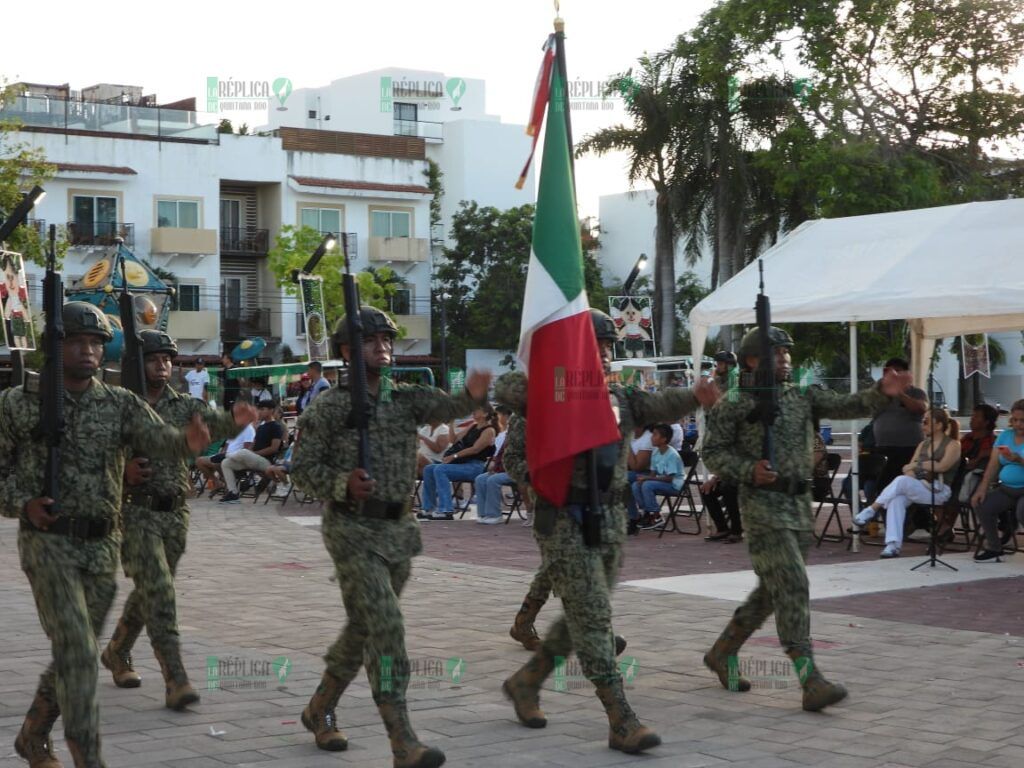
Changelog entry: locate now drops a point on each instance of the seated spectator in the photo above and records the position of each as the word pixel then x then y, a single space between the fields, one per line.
pixel 305 382
pixel 434 438
pixel 714 495
pixel 267 442
pixel 464 460
pixel 897 429
pixel 975 449
pixel 489 485
pixel 819 471
pixel 259 391
pixel 638 461
pixel 925 479
pixel 666 476
pixel 1007 460
pixel 209 466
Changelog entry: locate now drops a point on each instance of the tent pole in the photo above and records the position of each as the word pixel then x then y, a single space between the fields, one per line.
pixel 854 449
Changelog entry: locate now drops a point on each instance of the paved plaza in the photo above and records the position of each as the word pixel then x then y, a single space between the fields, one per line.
pixel 934 661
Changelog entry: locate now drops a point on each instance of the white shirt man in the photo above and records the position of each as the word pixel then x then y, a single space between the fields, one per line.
pixel 199 381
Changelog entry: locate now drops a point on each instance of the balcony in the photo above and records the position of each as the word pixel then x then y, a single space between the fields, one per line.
pixel 100 233
pixel 238 324
pixel 353 242
pixel 244 240
pixel 416 326
pixel 399 248
pixel 187 241
pixel 193 325
pixel 421 129
pixel 38 226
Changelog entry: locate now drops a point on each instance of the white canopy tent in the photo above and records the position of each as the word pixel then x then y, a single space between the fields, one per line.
pixel 948 270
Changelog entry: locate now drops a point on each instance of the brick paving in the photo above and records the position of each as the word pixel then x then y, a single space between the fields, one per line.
pixel 254 588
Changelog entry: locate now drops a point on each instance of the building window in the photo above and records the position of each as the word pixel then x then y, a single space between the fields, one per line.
pixel 405 119
pixel 188 298
pixel 390 223
pixel 323 220
pixel 183 214
pixel 312 114
pixel 90 210
pixel 401 302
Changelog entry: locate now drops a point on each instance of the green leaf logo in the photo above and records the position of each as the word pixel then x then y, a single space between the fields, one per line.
pixel 282 665
pixel 282 89
pixel 456 667
pixel 456 88
pixel 628 667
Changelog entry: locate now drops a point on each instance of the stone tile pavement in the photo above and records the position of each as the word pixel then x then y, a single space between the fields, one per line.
pixel 256 601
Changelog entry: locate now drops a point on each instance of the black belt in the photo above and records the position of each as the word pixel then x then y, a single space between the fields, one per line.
pixel 155 502
pixel 788 486
pixel 75 527
pixel 373 508
pixel 581 497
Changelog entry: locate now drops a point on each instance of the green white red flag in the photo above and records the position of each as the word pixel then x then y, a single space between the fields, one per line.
pixel 570 410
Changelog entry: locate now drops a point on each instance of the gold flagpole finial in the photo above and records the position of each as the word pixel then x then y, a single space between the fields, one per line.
pixel 559 21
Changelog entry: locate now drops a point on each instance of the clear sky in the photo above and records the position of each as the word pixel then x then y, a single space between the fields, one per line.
pixel 171 48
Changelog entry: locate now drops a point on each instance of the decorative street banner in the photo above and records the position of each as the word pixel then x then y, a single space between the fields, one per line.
pixel 456 379
pixel 632 316
pixel 312 289
pixel 975 357
pixel 17 324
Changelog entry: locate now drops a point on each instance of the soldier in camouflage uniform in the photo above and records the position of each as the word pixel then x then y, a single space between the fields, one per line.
pixel 584 576
pixel 70 557
pixel 776 503
pixel 370 531
pixel 155 526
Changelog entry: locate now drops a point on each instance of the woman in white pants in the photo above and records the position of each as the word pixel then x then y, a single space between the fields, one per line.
pixel 931 469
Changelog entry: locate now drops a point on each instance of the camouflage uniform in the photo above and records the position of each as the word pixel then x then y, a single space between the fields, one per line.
pixel 73 579
pixel 583 577
pixel 154 541
pixel 372 547
pixel 779 525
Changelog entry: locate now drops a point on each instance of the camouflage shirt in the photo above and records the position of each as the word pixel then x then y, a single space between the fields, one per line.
pixel 327 452
pixel 170 476
pixel 733 446
pixel 99 424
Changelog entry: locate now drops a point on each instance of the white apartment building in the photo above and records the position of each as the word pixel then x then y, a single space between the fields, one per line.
pixel 207 207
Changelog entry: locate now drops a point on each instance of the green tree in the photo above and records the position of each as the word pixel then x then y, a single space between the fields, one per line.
pixel 225 126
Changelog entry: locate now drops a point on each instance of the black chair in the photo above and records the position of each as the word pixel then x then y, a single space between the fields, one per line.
pixel 513 504
pixel 827 496
pixel 675 504
pixel 872 465
pixel 461 505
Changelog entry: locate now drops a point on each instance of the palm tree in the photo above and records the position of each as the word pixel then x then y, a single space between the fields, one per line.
pixel 650 143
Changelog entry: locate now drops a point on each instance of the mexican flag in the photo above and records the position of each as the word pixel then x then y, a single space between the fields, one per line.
pixel 569 408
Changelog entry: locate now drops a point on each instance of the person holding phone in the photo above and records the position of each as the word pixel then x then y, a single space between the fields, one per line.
pixel 1008 461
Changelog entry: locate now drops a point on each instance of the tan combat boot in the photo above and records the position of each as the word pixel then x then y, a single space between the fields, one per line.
pixel 407 750
pixel 319 718
pixel 722 659
pixel 85 752
pixel 818 692
pixel 117 656
pixel 523 688
pixel 179 691
pixel 523 630
pixel 625 733
pixel 33 741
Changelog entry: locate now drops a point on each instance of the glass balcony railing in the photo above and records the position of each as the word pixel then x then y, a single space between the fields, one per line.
pixel 422 129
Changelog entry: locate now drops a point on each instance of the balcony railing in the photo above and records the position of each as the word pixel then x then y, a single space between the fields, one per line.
pixel 353 243
pixel 38 225
pixel 422 129
pixel 244 240
pixel 100 233
pixel 237 324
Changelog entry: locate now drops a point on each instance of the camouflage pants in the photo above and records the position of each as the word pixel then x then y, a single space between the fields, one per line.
pixel 153 544
pixel 540 587
pixel 584 578
pixel 374 634
pixel 778 557
pixel 72 606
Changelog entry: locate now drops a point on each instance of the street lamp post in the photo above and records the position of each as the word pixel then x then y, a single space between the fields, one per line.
pixel 444 344
pixel 641 262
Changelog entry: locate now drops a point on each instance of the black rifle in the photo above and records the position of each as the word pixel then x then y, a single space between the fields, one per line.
pixel 133 372
pixel 359 416
pixel 766 390
pixel 51 398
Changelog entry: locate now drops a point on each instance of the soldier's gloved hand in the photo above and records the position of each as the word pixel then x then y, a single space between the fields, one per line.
pixel 37 513
pixel 763 474
pixel 197 434
pixel 137 471
pixel 244 413
pixel 478 383
pixel 895 382
pixel 360 484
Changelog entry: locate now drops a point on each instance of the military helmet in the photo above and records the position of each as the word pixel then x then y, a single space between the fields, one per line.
pixel 83 317
pixel 374 321
pixel 751 343
pixel 157 341
pixel 725 356
pixel 604 326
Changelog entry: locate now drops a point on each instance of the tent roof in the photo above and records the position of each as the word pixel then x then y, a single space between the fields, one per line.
pixel 952 269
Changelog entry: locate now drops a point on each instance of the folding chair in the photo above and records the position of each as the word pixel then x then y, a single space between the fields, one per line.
pixel 513 504
pixel 457 487
pixel 833 462
pixel 871 467
pixel 675 502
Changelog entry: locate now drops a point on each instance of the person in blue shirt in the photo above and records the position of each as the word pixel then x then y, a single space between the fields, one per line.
pixel 666 475
pixel 1008 461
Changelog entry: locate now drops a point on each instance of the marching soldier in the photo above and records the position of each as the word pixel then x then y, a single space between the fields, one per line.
pixel 70 554
pixel 370 531
pixel 776 503
pixel 584 576
pixel 155 525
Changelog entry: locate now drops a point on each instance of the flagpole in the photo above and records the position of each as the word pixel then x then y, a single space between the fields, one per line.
pixel 560 63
